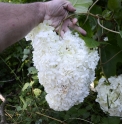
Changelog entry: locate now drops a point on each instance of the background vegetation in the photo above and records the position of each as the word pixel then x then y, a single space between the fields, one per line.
pixel 26 97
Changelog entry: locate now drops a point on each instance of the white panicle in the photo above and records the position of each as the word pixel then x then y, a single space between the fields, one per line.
pixel 110 95
pixel 65 66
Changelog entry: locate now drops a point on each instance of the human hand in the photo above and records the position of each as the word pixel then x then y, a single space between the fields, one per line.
pixel 57 12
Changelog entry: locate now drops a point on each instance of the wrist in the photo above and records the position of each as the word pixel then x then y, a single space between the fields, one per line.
pixel 41 11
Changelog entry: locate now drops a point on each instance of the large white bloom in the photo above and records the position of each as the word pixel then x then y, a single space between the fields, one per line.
pixel 110 95
pixel 65 66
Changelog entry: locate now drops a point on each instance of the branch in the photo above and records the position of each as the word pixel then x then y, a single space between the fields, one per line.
pixel 50 117
pixel 93 5
pixel 7 81
pixel 98 20
pixel 89 10
pixel 80 119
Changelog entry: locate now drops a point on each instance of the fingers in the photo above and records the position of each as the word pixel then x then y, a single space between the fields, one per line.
pixel 79 29
pixel 69 7
pixel 71 23
pixel 74 20
pixel 62 34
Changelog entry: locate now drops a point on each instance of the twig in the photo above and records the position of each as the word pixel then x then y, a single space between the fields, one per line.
pixel 7 81
pixel 17 78
pixel 80 119
pixel 89 10
pixel 98 20
pixel 50 117
pixel 111 58
pixel 93 5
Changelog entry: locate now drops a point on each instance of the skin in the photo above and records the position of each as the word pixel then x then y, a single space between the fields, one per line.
pixel 17 20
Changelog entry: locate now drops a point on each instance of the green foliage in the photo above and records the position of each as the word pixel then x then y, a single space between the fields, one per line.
pixel 114 4
pixel 81 5
pixel 27 105
pixel 91 43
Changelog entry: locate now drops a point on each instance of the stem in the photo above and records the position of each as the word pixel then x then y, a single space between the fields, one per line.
pixel 111 58
pixel 88 13
pixel 93 5
pixel 89 10
pixel 7 81
pixel 17 78
pixel 50 117
pixel 102 66
pixel 80 119
pixel 98 20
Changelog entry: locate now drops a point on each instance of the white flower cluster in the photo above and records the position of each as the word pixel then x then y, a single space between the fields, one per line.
pixel 110 95
pixel 65 66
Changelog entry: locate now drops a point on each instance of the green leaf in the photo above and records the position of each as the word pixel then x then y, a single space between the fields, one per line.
pixel 120 33
pixel 81 5
pixel 119 41
pixel 87 26
pixel 32 70
pixel 31 83
pixel 110 56
pixel 24 103
pixel 96 10
pixel 24 57
pixel 91 43
pixel 25 86
pixel 114 120
pixel 114 4
pixel 38 121
pixel 107 14
pixel 35 77
pixel 111 120
pixel 26 51
pixel 95 119
pixel 37 92
pixel 18 108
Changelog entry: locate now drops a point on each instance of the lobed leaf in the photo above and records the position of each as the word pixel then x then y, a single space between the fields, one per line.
pixel 91 43
pixel 81 5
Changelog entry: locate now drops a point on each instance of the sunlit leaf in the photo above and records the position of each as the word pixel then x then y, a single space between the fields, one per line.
pixel 106 14
pixel 81 5
pixel 25 86
pixel 32 70
pixel 31 83
pixel 24 57
pixel 37 92
pixel 24 102
pixel 26 51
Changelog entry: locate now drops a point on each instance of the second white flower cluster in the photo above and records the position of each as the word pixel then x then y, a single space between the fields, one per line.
pixel 110 95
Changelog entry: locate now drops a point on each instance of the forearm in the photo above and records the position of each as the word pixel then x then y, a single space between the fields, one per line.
pixel 16 20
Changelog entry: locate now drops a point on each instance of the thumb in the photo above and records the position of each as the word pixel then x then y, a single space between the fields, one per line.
pixel 69 7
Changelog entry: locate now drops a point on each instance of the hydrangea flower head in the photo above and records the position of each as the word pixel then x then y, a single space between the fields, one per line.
pixel 65 66
pixel 110 95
